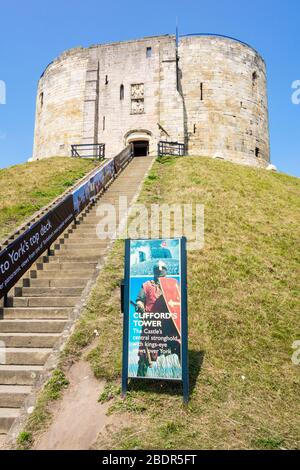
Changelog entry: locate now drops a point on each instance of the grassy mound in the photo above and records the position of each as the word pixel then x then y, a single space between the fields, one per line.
pixel 28 187
pixel 243 290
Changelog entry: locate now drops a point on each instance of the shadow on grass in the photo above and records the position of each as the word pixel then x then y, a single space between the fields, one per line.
pixel 169 387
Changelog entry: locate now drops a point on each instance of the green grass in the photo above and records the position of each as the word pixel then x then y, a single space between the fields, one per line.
pixel 24 440
pixel 243 290
pixel 26 188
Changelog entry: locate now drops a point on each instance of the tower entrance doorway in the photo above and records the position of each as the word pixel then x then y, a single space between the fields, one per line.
pixel 140 148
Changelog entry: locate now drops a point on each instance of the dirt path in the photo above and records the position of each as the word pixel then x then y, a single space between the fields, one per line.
pixel 78 418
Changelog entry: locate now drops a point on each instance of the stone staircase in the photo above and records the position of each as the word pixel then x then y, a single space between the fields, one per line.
pixel 45 297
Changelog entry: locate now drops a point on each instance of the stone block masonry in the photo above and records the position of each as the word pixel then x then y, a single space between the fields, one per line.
pixel 210 93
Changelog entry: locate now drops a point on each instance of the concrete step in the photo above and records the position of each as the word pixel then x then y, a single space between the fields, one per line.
pixel 32 326
pixel 101 208
pixel 18 375
pixel 51 291
pixel 89 231
pixel 68 266
pixel 86 242
pixel 73 254
pixel 63 283
pixel 61 274
pixel 81 226
pixel 26 356
pixel 91 220
pixel 29 340
pixel 43 301
pixel 45 313
pixel 83 235
pixel 64 262
pixel 7 417
pixel 78 251
pixel 13 396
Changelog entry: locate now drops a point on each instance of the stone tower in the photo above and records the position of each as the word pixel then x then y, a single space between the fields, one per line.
pixel 208 91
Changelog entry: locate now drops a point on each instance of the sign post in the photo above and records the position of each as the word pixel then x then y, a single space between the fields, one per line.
pixel 155 328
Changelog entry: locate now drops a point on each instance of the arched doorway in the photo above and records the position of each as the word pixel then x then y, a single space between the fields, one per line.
pixel 140 140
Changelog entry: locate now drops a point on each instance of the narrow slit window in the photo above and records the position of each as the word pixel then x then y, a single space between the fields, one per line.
pixel 106 79
pixel 257 152
pixel 41 99
pixel 103 123
pixel 121 92
pixel 201 91
pixel 149 52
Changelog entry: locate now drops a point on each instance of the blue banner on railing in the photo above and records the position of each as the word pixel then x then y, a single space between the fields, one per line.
pixel 83 195
pixel 17 258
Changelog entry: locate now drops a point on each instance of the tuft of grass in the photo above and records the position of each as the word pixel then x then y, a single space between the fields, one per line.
pixel 24 440
pixel 110 391
pixel 169 428
pixel 243 293
pixel 274 443
pixel 55 385
pixel 26 188
pixel 130 439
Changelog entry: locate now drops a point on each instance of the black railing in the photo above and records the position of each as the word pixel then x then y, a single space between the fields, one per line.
pixel 124 156
pixel 170 148
pixel 88 151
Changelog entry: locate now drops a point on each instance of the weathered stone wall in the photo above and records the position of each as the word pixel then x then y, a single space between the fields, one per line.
pixel 224 89
pixel 60 105
pixel 137 114
pixel 126 91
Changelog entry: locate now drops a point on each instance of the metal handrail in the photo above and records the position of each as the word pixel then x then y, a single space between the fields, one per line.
pixel 170 148
pixel 79 151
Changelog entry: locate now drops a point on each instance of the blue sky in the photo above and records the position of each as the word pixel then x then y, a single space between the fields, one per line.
pixel 34 32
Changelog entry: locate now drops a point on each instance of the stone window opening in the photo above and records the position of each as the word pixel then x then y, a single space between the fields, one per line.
pixel 254 77
pixel 195 127
pixel 201 91
pixel 121 92
pixel 257 152
pixel 41 99
pixel 148 52
pixel 103 123
pixel 106 79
